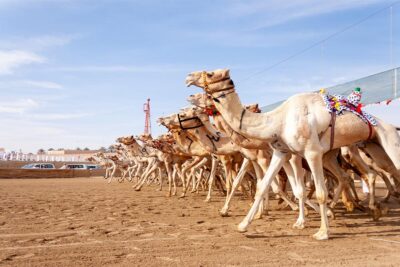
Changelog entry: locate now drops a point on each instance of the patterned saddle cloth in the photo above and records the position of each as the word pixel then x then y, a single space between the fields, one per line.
pixel 339 104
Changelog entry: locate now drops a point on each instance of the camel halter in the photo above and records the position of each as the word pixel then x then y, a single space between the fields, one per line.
pixel 206 84
pixel 197 119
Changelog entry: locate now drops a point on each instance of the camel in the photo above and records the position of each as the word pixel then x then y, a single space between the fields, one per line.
pixel 205 103
pixel 218 143
pixel 188 147
pixel 104 162
pixel 300 126
pixel 107 163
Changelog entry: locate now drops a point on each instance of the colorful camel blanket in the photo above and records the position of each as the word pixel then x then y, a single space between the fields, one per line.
pixel 339 104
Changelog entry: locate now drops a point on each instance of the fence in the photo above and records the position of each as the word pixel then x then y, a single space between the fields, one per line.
pixel 13 156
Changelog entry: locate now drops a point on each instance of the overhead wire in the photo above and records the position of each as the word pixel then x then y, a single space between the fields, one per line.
pixel 302 51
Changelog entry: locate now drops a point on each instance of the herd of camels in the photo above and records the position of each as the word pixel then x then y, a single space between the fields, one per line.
pixel 220 144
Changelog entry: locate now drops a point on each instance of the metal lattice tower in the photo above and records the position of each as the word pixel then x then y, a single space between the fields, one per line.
pixel 147 122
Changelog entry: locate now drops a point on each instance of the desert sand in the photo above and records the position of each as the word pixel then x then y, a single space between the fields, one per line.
pixel 86 222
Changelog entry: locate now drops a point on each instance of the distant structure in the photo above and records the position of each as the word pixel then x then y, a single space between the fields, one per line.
pixel 70 154
pixel 147 122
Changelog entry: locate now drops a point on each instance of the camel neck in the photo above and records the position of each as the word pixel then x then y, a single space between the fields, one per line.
pixel 188 146
pixel 264 126
pixel 211 142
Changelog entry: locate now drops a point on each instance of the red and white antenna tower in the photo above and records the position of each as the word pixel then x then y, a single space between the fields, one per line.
pixel 147 122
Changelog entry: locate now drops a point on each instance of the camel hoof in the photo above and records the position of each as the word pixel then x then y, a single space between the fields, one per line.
pixel 295 208
pixel 242 227
pixel 299 225
pixel 223 213
pixel 207 200
pixel 168 195
pixel 138 189
pixel 158 189
pixel 321 235
pixel 258 216
pixel 182 196
pixel 349 206
pixel 331 214
pixel 376 213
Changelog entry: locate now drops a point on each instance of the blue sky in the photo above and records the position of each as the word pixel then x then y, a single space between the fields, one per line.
pixel 76 73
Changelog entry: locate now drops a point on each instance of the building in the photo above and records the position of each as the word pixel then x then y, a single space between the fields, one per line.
pixel 71 154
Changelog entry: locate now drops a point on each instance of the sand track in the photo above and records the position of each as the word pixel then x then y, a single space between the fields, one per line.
pixel 86 222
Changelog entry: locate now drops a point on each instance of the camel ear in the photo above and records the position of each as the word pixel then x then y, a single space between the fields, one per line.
pixel 226 72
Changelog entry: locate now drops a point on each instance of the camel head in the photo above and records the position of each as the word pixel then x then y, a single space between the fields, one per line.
pixel 114 158
pixel 168 137
pixel 99 155
pixel 207 80
pixel 181 121
pixel 126 140
pixel 253 108
pixel 91 159
pixel 201 100
pixel 171 121
pixel 204 102
pixel 194 112
pixel 145 137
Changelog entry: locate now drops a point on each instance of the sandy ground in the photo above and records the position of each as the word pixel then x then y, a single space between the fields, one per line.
pixel 86 222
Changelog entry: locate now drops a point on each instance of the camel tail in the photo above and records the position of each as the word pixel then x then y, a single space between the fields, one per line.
pixel 389 139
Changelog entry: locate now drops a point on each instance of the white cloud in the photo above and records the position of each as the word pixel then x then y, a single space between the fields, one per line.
pixel 10 3
pixel 36 42
pixel 12 59
pixel 43 84
pixel 58 116
pixel 19 106
pixel 122 68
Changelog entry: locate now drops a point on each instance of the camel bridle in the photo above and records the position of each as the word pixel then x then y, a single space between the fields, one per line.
pixel 230 89
pixel 197 119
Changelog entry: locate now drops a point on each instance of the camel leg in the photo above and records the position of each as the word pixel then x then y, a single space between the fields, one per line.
pixel 152 169
pixel 314 160
pixel 123 174
pixel 176 169
pixel 143 175
pixel 277 190
pixel 214 164
pixel 112 173
pixel 168 167
pixel 108 170
pixel 371 177
pixel 277 160
pixel 199 179
pixel 184 171
pixel 139 168
pixel 160 175
pixel 264 204
pixel 236 182
pixel 194 168
pixel 295 174
pixel 331 164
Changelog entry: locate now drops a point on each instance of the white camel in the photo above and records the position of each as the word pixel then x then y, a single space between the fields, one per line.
pixel 299 125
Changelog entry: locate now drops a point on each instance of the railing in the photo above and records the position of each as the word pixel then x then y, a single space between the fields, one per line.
pixel 41 157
